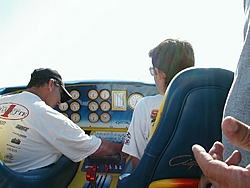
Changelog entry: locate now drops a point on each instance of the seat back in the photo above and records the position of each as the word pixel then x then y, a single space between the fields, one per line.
pixel 192 113
pixel 56 175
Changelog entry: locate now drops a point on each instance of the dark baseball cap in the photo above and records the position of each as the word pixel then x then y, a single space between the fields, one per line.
pixel 43 75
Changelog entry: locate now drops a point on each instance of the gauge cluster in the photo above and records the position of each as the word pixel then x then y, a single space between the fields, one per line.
pixel 93 106
pixel 102 104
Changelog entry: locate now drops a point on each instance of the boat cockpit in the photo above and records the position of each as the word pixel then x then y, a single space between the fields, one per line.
pixel 190 113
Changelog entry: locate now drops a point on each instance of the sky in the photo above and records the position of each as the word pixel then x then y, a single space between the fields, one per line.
pixel 97 39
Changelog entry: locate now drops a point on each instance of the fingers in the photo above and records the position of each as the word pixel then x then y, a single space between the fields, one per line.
pixel 217 151
pixel 210 167
pixel 237 132
pixel 234 159
pixel 203 159
pixel 219 173
pixel 204 182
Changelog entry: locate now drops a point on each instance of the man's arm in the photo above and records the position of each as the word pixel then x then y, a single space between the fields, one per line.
pixel 108 148
pixel 135 161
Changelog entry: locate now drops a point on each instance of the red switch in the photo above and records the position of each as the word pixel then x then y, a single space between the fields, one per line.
pixel 91 173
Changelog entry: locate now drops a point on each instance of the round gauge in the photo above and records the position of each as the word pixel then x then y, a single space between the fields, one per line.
pixel 75 117
pixel 104 94
pixel 65 114
pixel 134 99
pixel 75 94
pixel 93 117
pixel 105 106
pixel 75 106
pixel 105 117
pixel 93 106
pixel 63 106
pixel 92 94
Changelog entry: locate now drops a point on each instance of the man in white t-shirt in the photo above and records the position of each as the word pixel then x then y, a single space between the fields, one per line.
pixel 34 135
pixel 168 58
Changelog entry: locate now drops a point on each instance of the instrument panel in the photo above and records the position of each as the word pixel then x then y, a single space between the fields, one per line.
pixel 104 104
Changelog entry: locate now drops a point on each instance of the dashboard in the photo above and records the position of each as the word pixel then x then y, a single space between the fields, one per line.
pixel 104 104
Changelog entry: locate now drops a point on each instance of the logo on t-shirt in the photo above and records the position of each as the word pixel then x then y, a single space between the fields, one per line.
pixel 13 111
pixel 16 141
pixel 127 138
pixel 22 128
pixel 154 115
pixel 8 158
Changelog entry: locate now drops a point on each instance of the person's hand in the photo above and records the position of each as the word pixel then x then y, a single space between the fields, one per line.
pixel 237 132
pixel 216 153
pixel 220 174
pixel 226 174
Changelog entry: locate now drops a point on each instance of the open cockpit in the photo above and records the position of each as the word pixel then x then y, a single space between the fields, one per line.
pixel 190 113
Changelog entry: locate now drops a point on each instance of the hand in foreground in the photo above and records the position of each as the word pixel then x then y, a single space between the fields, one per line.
pixel 226 174
pixel 216 152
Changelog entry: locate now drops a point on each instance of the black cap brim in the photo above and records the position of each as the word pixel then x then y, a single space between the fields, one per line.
pixel 65 94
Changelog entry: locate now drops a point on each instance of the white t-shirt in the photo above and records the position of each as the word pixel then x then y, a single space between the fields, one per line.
pixel 34 135
pixel 141 125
